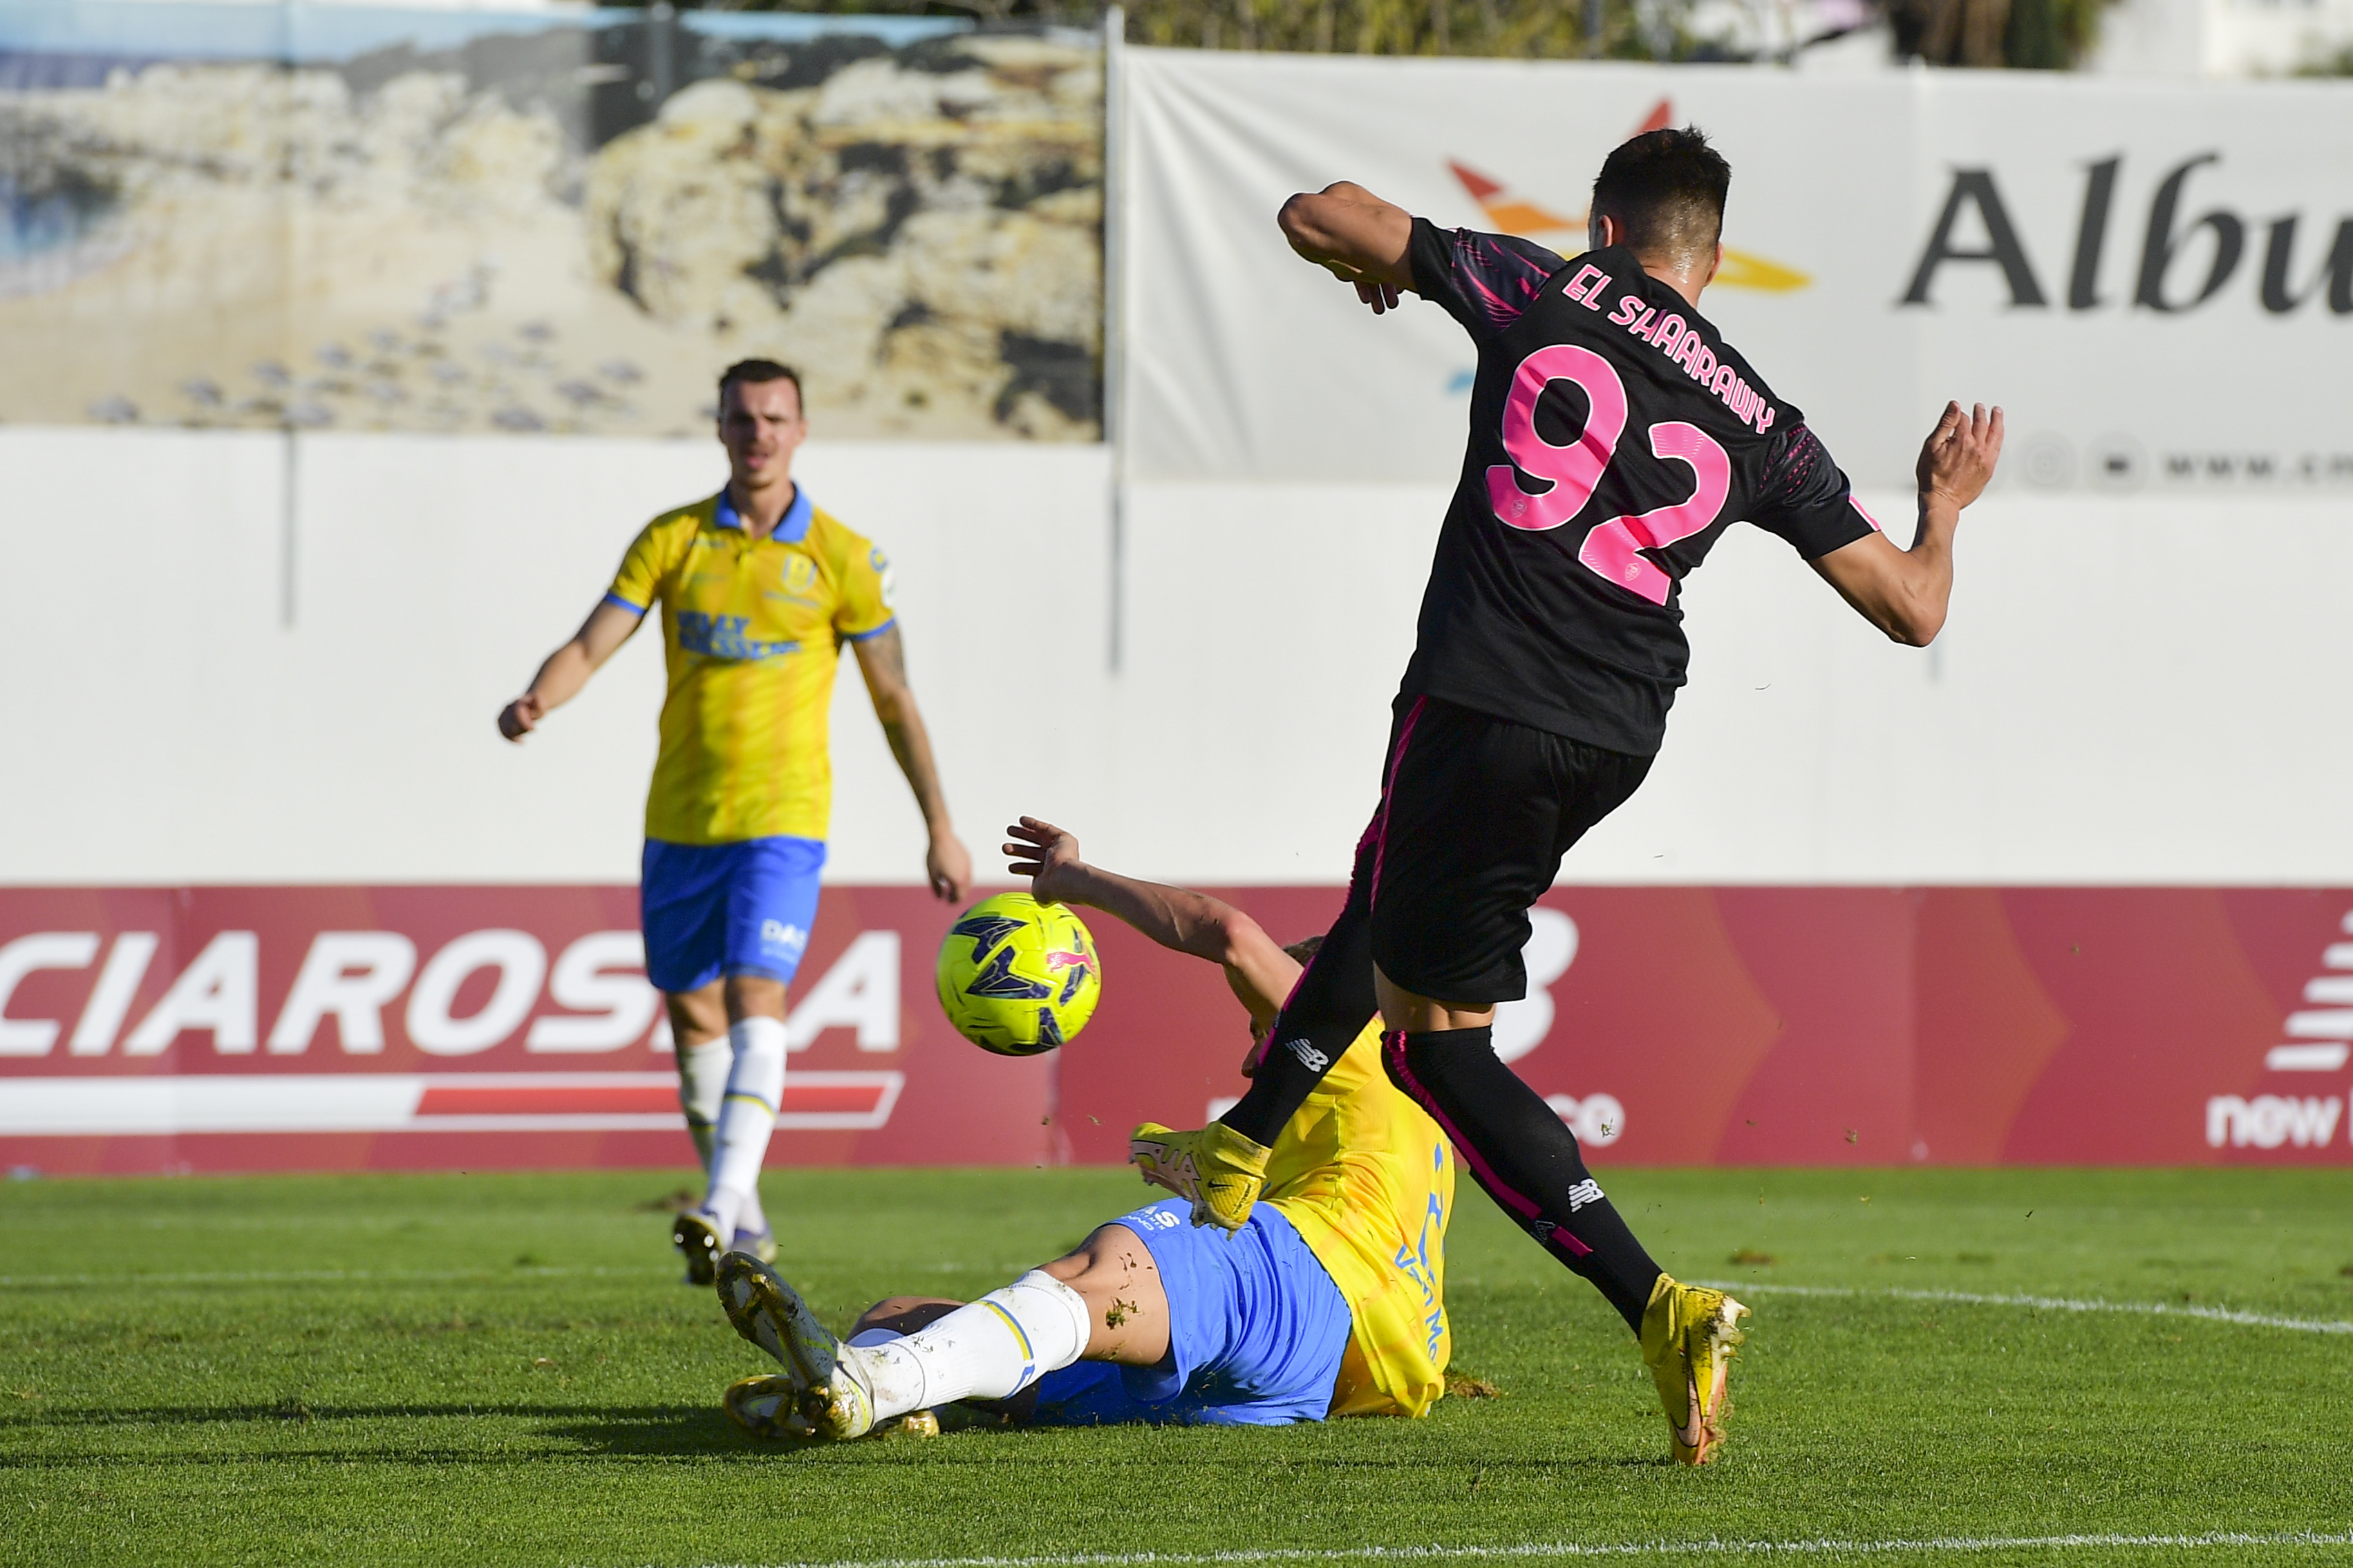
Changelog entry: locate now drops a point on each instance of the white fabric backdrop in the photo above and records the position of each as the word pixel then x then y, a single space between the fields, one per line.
pixel 1244 362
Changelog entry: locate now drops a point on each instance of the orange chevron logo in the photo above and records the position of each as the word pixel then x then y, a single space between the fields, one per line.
pixel 1512 215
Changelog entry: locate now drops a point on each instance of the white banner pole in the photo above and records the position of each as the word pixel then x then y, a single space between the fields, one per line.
pixel 1115 317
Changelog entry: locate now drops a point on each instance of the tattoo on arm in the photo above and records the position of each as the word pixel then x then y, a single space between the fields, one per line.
pixel 883 657
pixel 883 661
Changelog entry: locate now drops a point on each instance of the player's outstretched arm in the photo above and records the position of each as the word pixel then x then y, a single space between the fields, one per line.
pixel 567 669
pixel 1260 972
pixel 882 660
pixel 1904 593
pixel 1356 237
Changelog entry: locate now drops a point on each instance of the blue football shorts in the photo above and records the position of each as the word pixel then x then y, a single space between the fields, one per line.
pixel 709 909
pixel 1256 1331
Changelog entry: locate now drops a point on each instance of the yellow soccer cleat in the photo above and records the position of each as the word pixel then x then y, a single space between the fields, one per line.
pixel 768 1406
pixel 823 1372
pixel 1689 1334
pixel 698 1242
pixel 1221 1171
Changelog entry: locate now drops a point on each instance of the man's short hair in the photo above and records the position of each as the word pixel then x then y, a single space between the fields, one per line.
pixel 1666 189
pixel 753 371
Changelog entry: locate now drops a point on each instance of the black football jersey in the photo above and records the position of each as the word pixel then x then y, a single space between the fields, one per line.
pixel 1614 436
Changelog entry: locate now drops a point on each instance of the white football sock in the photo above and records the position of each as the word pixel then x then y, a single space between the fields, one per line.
pixel 992 1348
pixel 751 1217
pixel 755 1088
pixel 702 1085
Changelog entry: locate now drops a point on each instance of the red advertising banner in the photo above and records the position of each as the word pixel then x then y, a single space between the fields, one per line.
pixel 317 1029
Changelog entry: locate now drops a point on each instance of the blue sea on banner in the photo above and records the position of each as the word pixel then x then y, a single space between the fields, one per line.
pixel 45 45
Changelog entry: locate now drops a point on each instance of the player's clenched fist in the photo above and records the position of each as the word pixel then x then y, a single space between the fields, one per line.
pixel 521 717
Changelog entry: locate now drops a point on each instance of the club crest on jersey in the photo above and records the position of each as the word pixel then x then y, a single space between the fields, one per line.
pixel 800 573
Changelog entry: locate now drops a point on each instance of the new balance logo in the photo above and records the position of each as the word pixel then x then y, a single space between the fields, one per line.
pixel 1309 1057
pixel 1586 1192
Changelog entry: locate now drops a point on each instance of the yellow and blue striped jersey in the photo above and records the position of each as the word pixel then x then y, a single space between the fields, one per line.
pixel 1368 1181
pixel 753 630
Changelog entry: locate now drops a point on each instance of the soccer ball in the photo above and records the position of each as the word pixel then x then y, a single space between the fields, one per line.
pixel 1017 976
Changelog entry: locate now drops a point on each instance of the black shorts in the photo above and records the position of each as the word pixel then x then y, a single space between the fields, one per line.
pixel 1475 814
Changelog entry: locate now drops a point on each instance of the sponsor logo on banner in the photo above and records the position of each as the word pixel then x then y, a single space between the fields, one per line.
pixel 244 1028
pixel 2321 1041
pixel 2057 252
pixel 1509 213
pixel 480 992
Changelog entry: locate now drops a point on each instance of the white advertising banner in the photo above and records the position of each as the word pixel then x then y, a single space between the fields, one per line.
pixel 2155 280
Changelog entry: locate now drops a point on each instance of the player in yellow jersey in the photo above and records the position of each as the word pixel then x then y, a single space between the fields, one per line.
pixel 1329 1302
pixel 758 590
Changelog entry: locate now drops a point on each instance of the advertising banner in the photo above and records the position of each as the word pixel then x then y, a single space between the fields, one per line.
pixel 322 1028
pixel 327 216
pixel 2153 278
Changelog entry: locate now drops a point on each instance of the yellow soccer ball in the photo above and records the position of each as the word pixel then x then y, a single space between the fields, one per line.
pixel 1017 976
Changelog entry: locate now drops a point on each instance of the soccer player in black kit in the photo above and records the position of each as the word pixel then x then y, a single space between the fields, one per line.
pixel 1614 436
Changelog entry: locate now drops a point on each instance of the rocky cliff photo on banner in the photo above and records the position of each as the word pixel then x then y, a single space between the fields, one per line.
pixel 469 222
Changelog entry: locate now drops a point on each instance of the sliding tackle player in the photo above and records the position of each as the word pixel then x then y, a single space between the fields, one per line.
pixel 1328 1301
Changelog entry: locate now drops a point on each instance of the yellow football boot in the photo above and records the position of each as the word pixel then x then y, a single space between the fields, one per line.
pixel 698 1241
pixel 834 1396
pixel 768 1406
pixel 1221 1171
pixel 1689 1334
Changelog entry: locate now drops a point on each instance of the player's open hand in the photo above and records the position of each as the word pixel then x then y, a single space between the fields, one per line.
pixel 947 865
pixel 1957 458
pixel 521 717
pixel 1044 854
pixel 1381 297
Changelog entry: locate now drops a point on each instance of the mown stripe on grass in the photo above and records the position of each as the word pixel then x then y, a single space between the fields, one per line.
pixel 2050 1303
pixel 1816 1548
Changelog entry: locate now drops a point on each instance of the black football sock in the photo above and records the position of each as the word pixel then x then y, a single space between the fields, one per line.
pixel 1326 1011
pixel 1518 1149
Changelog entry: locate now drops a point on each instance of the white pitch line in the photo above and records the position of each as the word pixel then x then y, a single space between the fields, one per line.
pixel 1966 1297
pixel 2050 1303
pixel 1715 1547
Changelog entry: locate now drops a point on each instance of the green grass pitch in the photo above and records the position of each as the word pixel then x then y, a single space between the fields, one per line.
pixel 503 1369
